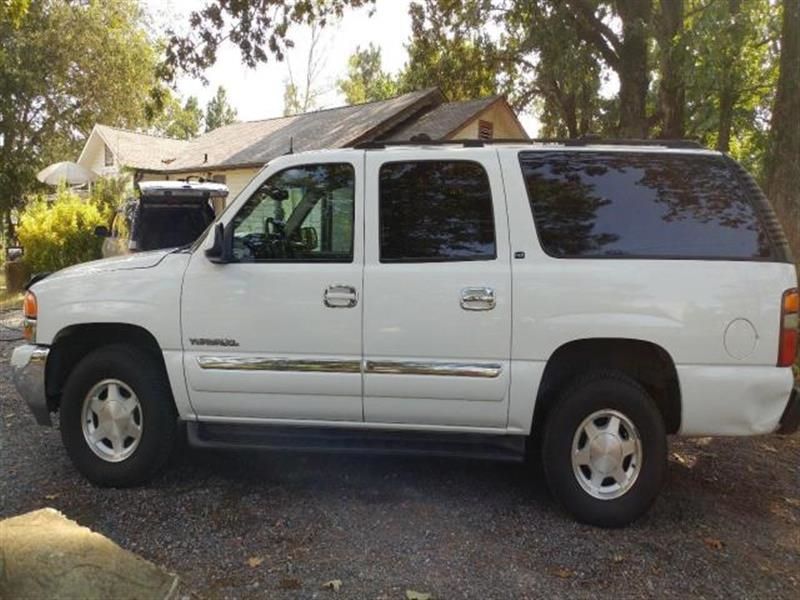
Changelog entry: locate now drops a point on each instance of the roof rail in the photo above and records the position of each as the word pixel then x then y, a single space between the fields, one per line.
pixel 574 142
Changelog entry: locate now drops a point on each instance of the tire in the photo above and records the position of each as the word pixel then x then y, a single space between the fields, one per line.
pixel 633 481
pixel 136 376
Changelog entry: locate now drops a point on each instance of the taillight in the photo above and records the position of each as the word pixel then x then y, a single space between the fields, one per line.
pixel 787 345
pixel 30 311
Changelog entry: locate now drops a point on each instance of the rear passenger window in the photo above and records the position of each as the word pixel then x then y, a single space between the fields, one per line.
pixel 644 205
pixel 435 210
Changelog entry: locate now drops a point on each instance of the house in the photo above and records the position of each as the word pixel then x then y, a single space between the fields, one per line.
pixel 234 153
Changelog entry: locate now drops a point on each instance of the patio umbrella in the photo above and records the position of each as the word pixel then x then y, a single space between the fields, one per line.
pixel 69 172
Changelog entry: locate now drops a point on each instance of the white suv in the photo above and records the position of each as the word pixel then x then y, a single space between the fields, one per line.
pixel 581 300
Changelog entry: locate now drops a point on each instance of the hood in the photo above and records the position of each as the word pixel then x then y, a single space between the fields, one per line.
pixel 139 260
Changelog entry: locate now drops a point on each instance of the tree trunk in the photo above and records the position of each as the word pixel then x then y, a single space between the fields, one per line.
pixel 672 87
pixel 633 73
pixel 727 100
pixel 783 161
pixel 730 79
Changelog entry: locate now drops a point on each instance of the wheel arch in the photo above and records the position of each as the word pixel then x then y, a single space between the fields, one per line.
pixel 646 362
pixel 72 343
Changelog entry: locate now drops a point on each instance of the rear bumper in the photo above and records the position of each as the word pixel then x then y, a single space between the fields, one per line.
pixel 790 420
pixel 27 371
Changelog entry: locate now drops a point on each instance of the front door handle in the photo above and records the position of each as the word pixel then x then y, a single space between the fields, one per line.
pixel 340 296
pixel 478 298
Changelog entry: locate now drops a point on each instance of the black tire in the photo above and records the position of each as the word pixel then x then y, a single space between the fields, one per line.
pixel 146 377
pixel 604 390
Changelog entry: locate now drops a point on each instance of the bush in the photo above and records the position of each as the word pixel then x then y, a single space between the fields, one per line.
pixel 108 194
pixel 58 234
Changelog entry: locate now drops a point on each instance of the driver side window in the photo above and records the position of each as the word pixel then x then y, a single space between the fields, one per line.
pixel 302 214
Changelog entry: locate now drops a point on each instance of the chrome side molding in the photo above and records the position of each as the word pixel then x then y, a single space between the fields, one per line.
pixel 443 369
pixel 256 363
pixel 377 367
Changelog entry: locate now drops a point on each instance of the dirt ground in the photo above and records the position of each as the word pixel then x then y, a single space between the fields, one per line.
pixel 270 525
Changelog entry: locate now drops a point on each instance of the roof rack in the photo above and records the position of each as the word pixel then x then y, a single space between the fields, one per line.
pixel 573 142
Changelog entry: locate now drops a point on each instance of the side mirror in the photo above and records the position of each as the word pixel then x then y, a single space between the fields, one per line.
pixel 221 251
pixel 102 231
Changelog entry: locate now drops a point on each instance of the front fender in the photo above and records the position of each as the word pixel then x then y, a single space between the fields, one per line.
pixel 147 298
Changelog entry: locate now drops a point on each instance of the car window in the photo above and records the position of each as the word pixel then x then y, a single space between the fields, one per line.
pixel 302 213
pixel 645 205
pixel 435 210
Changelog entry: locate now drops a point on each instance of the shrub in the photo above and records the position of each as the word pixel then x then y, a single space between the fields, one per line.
pixel 60 233
pixel 108 194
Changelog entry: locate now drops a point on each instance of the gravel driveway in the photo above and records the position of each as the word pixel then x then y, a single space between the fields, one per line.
pixel 269 525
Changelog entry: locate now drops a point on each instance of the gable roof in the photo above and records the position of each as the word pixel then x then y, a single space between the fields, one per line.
pixel 254 143
pixel 443 120
pixel 138 150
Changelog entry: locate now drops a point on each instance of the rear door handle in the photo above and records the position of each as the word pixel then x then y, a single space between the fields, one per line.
pixel 340 296
pixel 478 298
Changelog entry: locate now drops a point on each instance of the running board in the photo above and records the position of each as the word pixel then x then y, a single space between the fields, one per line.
pixel 357 441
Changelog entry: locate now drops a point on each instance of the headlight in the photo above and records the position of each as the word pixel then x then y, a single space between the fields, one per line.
pixel 30 312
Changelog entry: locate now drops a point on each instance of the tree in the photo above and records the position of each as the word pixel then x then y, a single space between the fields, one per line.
pixel 731 74
pixel 179 122
pixel 669 30
pixel 13 11
pixel 626 52
pixel 549 67
pixel 301 97
pixel 366 80
pixel 218 111
pixel 66 67
pixel 257 27
pixel 783 159
pixel 448 51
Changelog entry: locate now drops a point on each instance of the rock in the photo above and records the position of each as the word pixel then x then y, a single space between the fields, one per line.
pixel 45 555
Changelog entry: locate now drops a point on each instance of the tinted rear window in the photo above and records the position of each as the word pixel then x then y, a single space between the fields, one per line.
pixel 435 210
pixel 645 205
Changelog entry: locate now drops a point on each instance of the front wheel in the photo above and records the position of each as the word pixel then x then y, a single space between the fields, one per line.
pixel 605 449
pixel 118 419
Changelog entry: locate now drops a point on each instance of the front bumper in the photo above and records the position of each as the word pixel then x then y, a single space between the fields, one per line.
pixel 790 420
pixel 27 370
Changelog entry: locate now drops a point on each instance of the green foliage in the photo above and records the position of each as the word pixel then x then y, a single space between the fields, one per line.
pixel 108 194
pixel 448 51
pixel 219 112
pixel 13 11
pixel 732 75
pixel 60 233
pixel 176 121
pixel 366 80
pixel 66 67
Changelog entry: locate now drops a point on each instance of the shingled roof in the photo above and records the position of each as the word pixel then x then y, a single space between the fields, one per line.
pixel 253 143
pixel 140 150
pixel 443 120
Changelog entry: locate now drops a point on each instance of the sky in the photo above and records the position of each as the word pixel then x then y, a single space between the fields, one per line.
pixel 258 93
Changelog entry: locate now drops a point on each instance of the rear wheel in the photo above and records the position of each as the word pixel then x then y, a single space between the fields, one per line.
pixel 118 419
pixel 604 450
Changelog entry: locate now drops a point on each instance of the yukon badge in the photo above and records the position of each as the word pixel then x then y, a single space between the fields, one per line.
pixel 213 342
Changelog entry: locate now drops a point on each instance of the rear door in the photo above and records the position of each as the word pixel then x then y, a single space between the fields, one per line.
pixel 437 289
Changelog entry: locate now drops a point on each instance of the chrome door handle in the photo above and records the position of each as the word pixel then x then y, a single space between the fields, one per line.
pixel 340 296
pixel 477 298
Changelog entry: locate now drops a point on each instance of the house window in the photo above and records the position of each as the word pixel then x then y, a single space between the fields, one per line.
pixel 218 179
pixel 485 130
pixel 109 157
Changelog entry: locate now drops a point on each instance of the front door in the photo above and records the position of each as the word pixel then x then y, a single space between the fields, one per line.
pixel 437 290
pixel 276 334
